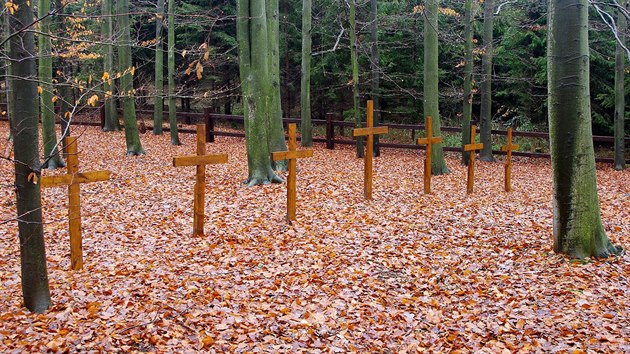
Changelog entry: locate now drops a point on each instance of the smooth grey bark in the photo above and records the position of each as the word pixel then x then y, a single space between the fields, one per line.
pixel 356 113
pixel 620 92
pixel 158 102
pixel 468 73
pixel 111 113
pixel 577 225
pixel 431 82
pixel 485 116
pixel 306 127
pixel 375 66
pixel 172 109
pixel 35 290
pixel 276 128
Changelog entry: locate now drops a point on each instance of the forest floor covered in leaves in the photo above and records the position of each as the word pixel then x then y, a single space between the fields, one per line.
pixel 402 273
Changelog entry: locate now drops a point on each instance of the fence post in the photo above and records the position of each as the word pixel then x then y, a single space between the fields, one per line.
pixel 209 120
pixel 330 132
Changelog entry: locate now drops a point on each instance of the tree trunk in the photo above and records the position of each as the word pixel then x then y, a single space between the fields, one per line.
pixel 577 225
pixel 158 103
pixel 276 128
pixel 25 130
pixel 375 66
pixel 485 123
pixel 468 72
pixel 256 86
pixel 172 109
pixel 111 113
pixel 9 73
pixel 52 158
pixel 431 82
pixel 125 66
pixel 356 113
pixel 306 127
pixel 620 99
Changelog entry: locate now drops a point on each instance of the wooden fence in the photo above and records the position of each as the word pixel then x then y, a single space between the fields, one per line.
pixel 330 139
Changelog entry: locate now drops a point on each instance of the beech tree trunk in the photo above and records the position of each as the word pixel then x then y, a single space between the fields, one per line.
pixel 375 66
pixel 577 225
pixel 9 73
pixel 431 82
pixel 158 102
pixel 306 127
pixel 620 92
pixel 25 130
pixel 355 75
pixel 256 85
pixel 485 123
pixel 172 109
pixel 125 66
pixel 52 158
pixel 111 113
pixel 468 73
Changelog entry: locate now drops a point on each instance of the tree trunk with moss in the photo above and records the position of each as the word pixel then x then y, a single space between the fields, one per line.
pixel 35 290
pixel 431 82
pixel 158 102
pixel 620 99
pixel 375 68
pixel 111 113
pixel 306 126
pixel 172 109
pixel 256 85
pixel 52 158
pixel 356 113
pixel 485 119
pixel 468 73
pixel 276 128
pixel 125 66
pixel 577 225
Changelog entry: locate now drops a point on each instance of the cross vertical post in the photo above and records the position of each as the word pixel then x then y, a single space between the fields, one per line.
pixel 509 147
pixel 370 130
pixel 428 141
pixel 472 147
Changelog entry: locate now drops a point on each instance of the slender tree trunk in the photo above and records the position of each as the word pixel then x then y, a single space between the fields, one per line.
pixel 172 109
pixel 276 128
pixel 577 225
pixel 305 84
pixel 468 72
pixel 9 73
pixel 431 82
pixel 375 66
pixel 158 103
pixel 355 74
pixel 256 86
pixel 52 158
pixel 111 113
pixel 25 125
pixel 620 92
pixel 485 124
pixel 125 63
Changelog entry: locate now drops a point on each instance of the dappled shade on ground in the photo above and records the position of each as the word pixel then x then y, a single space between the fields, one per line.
pixel 405 270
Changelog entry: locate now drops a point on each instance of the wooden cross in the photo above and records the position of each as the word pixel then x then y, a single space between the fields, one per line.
pixel 200 160
pixel 428 141
pixel 508 163
pixel 472 147
pixel 292 155
pixel 369 131
pixel 73 180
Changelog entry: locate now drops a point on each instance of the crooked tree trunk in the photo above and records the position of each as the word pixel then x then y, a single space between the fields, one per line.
pixel 172 109
pixel 431 82
pixel 577 225
pixel 276 129
pixel 52 158
pixel 306 127
pixel 485 119
pixel 375 66
pixel 111 114
pixel 356 113
pixel 468 72
pixel 125 66
pixel 25 130
pixel 620 99
pixel 256 86
pixel 158 102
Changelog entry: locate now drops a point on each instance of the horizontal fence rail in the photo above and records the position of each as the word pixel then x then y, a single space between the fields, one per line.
pixel 210 119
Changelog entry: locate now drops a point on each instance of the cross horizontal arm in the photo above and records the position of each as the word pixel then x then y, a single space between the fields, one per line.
pixel 66 180
pixel 287 155
pixel 425 141
pixel 370 131
pixel 473 147
pixel 510 147
pixel 200 160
